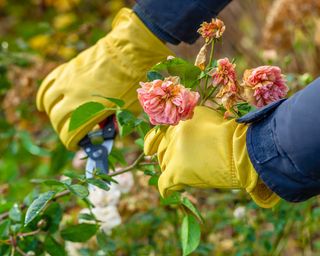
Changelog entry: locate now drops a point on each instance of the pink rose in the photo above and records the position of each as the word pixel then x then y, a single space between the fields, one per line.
pixel 225 72
pixel 264 85
pixel 167 102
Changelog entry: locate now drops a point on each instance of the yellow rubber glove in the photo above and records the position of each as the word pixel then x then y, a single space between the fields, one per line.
pixel 111 68
pixel 206 152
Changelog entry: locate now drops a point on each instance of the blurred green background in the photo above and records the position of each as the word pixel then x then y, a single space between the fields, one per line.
pixel 37 35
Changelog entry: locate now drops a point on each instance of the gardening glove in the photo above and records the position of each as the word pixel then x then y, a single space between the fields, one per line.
pixel 111 68
pixel 206 151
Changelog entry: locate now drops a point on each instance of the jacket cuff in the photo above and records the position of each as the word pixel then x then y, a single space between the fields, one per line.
pixel 273 165
pixel 177 21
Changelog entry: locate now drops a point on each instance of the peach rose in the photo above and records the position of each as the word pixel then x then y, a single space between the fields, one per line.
pixel 167 102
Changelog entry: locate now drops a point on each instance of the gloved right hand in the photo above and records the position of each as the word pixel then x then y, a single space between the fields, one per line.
pixel 111 68
pixel 206 151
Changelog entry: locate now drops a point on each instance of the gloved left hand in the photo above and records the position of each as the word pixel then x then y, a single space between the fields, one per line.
pixel 112 67
pixel 206 151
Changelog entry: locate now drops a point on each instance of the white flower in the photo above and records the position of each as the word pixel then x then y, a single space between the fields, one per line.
pixel 125 182
pixel 239 212
pixel 109 217
pixel 102 198
pixel 73 248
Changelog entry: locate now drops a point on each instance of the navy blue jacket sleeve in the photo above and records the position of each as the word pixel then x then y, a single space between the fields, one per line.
pixel 283 143
pixel 176 21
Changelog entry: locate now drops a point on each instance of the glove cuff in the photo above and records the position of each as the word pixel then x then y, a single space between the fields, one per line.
pixel 247 175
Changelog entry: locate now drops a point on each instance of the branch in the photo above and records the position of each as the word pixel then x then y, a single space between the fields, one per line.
pixel 5 215
pixel 130 167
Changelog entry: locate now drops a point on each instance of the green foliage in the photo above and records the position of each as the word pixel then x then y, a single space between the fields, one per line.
pixel 53 247
pixel 154 75
pixel 79 233
pixel 37 206
pixel 187 72
pixel 79 190
pixel 84 113
pixel 244 108
pixel 190 234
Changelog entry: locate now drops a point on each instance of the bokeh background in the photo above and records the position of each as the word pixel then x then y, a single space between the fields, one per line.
pixel 37 35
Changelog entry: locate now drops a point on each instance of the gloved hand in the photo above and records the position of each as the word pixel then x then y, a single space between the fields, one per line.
pixel 111 68
pixel 206 152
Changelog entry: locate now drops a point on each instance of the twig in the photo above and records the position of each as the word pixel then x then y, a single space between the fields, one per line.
pixel 130 167
pixel 20 251
pixel 148 163
pixel 29 233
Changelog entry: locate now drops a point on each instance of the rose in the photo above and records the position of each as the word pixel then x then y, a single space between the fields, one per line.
pixel 167 102
pixel 263 85
pixel 212 30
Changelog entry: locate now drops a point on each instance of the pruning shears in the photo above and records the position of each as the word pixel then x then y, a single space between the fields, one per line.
pixel 97 145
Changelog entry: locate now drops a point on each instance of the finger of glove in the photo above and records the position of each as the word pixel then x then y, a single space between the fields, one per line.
pixel 47 83
pixel 167 184
pixel 152 141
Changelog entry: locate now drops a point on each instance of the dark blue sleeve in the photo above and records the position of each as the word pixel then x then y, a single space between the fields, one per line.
pixel 176 21
pixel 283 143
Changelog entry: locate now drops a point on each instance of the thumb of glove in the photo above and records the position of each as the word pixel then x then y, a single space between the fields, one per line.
pixel 152 141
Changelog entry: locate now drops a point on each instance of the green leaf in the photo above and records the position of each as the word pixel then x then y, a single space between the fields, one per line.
pixel 153 181
pixel 84 113
pixel 143 128
pixel 73 175
pixel 187 72
pixel 79 190
pixel 37 206
pixel 79 233
pixel 98 183
pixel 187 203
pixel 15 213
pixel 53 247
pixel 118 102
pixel 105 242
pixel 86 216
pixel 106 177
pixel 126 122
pixel 174 198
pixel 190 234
pixel 244 108
pixel 53 217
pixel 154 75
pixel 4 228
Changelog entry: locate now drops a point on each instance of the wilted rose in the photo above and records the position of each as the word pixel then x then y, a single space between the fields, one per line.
pixel 167 102
pixel 225 77
pixel 212 30
pixel 264 85
pixel 224 73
